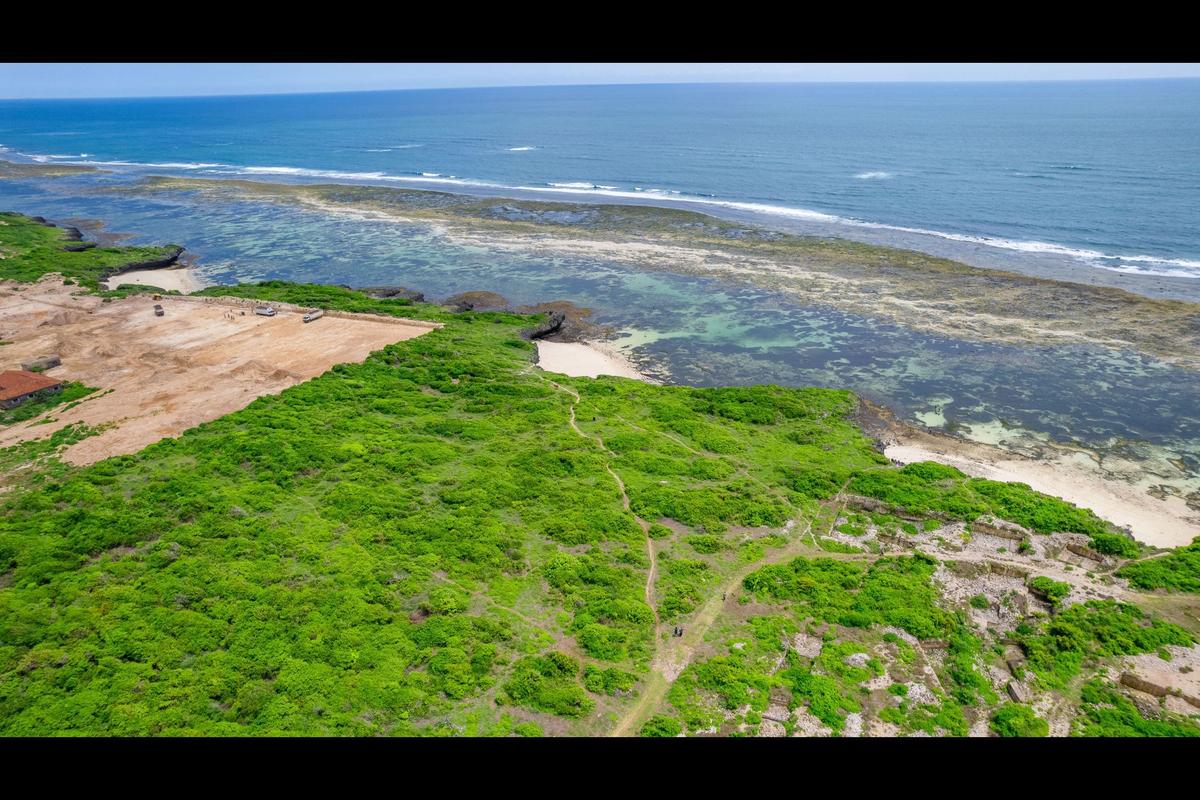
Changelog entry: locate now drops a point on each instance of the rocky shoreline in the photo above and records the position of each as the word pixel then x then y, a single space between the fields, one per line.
pixel 77 244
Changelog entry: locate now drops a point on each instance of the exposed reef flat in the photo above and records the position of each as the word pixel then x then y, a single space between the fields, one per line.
pixel 913 289
pixel 12 169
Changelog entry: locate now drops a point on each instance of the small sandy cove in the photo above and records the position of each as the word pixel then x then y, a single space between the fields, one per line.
pixel 179 279
pixel 159 376
pixel 581 360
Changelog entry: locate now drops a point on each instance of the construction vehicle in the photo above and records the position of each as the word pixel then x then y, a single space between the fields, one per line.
pixel 158 310
pixel 264 311
pixel 317 314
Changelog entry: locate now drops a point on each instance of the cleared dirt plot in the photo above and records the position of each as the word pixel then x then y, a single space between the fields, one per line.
pixel 161 375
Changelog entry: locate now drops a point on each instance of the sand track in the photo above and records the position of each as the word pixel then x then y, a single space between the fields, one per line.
pixel 159 376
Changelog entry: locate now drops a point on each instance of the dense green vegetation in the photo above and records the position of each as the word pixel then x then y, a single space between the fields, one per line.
pixel 72 392
pixel 386 548
pixel 30 250
pixel 890 591
pixel 934 489
pixel 1177 571
pixel 1059 646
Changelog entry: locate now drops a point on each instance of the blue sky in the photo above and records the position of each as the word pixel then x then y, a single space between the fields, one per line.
pixel 143 80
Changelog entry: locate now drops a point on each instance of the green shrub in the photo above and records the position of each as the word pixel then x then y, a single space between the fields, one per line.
pixel 660 726
pixel 1016 719
pixel 547 683
pixel 1054 591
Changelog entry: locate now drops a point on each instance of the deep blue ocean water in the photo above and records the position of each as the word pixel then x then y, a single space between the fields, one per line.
pixel 1105 174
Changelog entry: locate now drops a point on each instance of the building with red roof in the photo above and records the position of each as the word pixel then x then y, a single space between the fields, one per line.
pixel 20 385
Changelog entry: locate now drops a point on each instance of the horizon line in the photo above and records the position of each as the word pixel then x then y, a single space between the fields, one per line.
pixel 299 93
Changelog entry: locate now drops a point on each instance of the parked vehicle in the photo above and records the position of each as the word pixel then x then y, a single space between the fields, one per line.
pixel 310 316
pixel 158 310
pixel 264 311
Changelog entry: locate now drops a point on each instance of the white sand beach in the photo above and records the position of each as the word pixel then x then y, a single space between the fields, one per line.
pixel 581 360
pixel 180 279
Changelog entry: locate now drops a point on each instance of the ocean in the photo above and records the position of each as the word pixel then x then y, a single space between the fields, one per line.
pixel 1104 175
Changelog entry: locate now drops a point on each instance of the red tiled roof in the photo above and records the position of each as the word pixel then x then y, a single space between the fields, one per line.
pixel 18 382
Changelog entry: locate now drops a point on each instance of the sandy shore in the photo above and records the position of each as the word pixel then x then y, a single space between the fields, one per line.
pixel 180 279
pixel 585 360
pixel 1166 522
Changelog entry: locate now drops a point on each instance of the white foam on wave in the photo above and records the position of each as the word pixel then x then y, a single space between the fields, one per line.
pixel 159 165
pixel 579 185
pixel 1161 273
pixel 377 150
pixel 520 149
pixel 873 176
pixel 1093 258
pixel 361 176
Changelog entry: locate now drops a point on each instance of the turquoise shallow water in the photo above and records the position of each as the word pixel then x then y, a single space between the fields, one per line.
pixel 1103 176
pixel 694 330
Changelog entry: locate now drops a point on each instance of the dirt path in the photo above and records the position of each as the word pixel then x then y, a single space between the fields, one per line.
pixel 673 657
pixel 652 575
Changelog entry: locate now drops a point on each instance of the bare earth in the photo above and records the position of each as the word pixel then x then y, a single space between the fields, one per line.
pixel 584 360
pixel 180 279
pixel 206 357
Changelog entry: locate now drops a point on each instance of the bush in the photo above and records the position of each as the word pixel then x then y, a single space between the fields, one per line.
pixel 547 683
pixel 1054 591
pixel 660 726
pixel 1016 719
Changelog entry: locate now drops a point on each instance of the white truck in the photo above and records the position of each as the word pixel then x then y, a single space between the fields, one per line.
pixel 264 311
pixel 314 314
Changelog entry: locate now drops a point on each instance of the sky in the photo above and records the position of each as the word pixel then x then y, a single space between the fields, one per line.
pixel 177 80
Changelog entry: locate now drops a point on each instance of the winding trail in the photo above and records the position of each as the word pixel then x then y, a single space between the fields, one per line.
pixel 652 575
pixel 674 656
